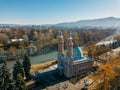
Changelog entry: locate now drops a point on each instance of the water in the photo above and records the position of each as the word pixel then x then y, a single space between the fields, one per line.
pixel 35 59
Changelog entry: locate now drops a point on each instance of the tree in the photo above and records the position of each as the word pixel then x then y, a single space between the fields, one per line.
pixel 41 41
pixel 3 38
pixel 12 51
pixel 18 69
pixel 20 83
pixel 26 65
pixel 35 35
pixel 91 49
pixel 5 81
pixel 2 52
pixel 108 75
pixel 75 38
pixel 26 39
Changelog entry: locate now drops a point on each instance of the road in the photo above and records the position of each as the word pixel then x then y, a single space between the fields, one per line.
pixel 109 39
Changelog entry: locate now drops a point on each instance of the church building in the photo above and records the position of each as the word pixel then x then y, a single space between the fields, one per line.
pixel 72 62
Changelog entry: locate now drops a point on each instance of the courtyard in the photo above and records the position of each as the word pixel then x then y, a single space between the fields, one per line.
pixel 49 79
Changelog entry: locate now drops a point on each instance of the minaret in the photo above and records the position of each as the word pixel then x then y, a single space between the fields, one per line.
pixel 60 54
pixel 69 47
pixel 61 44
pixel 60 50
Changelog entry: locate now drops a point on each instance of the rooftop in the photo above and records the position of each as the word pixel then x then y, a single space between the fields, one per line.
pixel 77 53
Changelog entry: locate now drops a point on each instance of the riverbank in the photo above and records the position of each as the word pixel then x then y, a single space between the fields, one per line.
pixel 35 59
pixel 42 65
pixel 14 58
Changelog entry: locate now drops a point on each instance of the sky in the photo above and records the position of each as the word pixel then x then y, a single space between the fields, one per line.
pixel 56 11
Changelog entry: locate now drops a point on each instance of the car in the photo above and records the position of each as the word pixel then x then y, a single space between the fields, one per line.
pixel 88 82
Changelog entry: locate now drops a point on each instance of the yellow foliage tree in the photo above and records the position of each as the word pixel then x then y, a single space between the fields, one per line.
pixel 108 75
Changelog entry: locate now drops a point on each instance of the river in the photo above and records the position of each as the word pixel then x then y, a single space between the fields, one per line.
pixel 35 59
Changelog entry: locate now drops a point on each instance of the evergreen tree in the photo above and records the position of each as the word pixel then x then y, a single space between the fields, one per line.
pixel 20 83
pixel 5 81
pixel 18 69
pixel 26 65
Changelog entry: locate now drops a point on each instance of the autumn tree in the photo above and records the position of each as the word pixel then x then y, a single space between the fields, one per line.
pixel 15 32
pixel 75 38
pixel 12 51
pixel 26 39
pixel 108 75
pixel 3 38
pixel 35 35
pixel 90 48
pixel 41 41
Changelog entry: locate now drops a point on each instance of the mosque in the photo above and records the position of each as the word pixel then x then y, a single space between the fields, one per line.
pixel 72 63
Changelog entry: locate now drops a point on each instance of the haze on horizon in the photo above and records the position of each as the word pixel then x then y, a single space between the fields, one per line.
pixel 56 11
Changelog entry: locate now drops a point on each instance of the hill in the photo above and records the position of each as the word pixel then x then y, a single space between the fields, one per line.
pixel 93 23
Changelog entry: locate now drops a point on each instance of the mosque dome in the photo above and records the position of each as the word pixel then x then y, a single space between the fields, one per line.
pixel 77 53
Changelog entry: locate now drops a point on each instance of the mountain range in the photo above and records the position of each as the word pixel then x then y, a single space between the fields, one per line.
pixel 93 23
pixel 108 22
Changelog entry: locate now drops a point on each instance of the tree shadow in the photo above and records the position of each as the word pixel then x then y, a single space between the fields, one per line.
pixel 47 79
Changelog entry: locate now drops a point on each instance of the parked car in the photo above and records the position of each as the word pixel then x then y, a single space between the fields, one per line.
pixel 87 83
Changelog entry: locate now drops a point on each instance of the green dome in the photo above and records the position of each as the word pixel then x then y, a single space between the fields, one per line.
pixel 77 53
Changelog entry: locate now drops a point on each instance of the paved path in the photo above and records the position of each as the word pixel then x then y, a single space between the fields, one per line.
pixel 67 85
